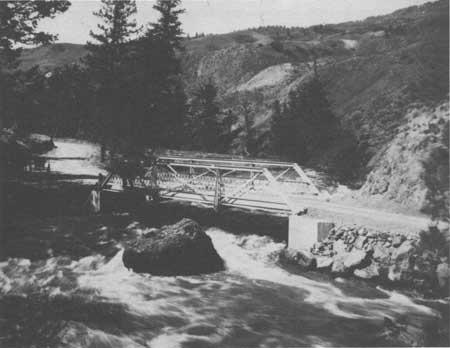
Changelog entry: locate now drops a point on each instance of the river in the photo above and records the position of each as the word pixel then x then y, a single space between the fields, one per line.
pixel 96 302
pixel 253 303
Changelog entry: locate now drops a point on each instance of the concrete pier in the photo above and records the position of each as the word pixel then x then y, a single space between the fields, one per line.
pixel 304 231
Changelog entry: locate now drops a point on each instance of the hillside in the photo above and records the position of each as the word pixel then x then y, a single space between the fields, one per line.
pixel 52 56
pixel 377 72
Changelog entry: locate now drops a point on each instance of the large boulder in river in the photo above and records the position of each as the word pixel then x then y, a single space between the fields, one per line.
pixel 39 143
pixel 180 249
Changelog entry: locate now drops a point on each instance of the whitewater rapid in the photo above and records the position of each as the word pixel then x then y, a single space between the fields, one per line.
pixel 253 302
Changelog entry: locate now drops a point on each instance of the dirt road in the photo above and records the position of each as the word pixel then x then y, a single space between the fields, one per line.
pixel 346 214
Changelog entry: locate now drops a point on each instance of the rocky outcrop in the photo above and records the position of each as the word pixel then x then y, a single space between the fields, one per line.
pixel 180 249
pixel 402 170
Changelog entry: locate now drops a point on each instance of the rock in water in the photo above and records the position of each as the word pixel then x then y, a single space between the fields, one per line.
pixel 180 249
pixel 401 269
pixel 443 275
pixel 297 258
pixel 348 261
pixel 402 334
pixel 39 143
pixel 370 272
pixel 324 262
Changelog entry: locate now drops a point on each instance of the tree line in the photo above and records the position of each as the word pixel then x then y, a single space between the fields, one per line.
pixel 127 93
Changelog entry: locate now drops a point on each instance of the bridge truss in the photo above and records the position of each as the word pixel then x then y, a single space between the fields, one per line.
pixel 218 182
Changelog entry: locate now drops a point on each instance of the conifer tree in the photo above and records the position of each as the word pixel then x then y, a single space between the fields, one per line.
pixel 164 110
pixel 204 124
pixel 168 27
pixel 306 124
pixel 249 134
pixel 19 25
pixel 107 62
pixel 118 28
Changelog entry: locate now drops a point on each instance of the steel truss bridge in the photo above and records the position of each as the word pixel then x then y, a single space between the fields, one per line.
pixel 224 182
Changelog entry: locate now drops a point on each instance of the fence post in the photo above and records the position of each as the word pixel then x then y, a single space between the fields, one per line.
pixel 218 191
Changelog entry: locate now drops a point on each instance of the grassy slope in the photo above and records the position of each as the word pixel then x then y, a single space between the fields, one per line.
pixel 375 71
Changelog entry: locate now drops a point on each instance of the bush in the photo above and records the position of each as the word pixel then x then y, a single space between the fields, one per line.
pixel 243 38
pixel 435 241
pixel 277 45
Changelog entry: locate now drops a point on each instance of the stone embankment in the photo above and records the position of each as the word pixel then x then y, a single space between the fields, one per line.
pixel 385 258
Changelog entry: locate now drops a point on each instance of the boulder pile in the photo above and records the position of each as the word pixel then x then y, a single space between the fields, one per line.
pixel 374 255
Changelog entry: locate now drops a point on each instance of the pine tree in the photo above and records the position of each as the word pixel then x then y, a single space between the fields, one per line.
pixel 19 25
pixel 306 124
pixel 168 27
pixel 163 108
pixel 117 29
pixel 107 62
pixel 204 124
pixel 249 134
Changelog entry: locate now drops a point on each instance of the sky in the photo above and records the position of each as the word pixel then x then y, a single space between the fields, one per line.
pixel 222 16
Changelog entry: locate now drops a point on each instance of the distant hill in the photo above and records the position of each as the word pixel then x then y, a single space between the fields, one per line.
pixel 52 56
pixel 376 71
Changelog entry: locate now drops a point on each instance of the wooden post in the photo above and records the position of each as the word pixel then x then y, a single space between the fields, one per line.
pixel 154 182
pixel 218 191
pixel 100 183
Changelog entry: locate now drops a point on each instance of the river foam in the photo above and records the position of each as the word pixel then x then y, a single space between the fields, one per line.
pixel 253 302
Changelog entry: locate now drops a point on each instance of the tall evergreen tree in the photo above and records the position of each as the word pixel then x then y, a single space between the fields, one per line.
pixel 19 25
pixel 164 109
pixel 306 124
pixel 249 134
pixel 107 61
pixel 168 27
pixel 118 27
pixel 204 124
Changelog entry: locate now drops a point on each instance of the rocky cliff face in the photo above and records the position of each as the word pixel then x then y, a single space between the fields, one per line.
pixel 399 170
pixel 376 72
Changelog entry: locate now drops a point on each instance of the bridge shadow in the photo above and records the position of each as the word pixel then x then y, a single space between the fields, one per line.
pixel 233 220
